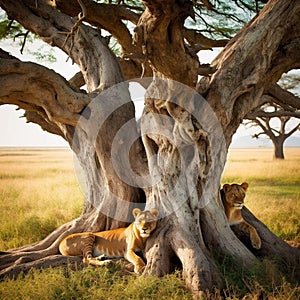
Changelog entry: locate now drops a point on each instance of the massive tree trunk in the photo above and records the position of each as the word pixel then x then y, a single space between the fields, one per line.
pixel 177 164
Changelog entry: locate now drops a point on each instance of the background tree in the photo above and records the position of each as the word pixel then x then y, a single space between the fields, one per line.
pixel 265 118
pixel 276 109
pixel 177 163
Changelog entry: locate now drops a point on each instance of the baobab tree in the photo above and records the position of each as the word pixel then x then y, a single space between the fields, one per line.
pixel 174 160
pixel 264 118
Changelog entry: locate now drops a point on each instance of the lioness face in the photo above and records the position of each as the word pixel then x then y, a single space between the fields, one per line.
pixel 235 194
pixel 145 221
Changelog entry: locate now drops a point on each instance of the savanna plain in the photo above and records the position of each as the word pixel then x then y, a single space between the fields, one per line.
pixel 39 191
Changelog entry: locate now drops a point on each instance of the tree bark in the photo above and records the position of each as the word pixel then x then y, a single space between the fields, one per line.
pixel 278 149
pixel 175 163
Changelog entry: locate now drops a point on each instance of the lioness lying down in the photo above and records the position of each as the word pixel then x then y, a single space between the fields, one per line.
pixel 121 242
pixel 232 196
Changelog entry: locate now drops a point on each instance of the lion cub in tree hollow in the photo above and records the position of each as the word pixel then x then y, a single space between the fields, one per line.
pixel 233 200
pixel 121 242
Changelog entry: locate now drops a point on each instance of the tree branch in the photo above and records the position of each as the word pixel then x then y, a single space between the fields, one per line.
pixel 265 114
pixel 195 37
pixel 77 80
pixel 159 34
pixel 42 92
pixel 106 16
pixel 53 26
pixel 41 119
pixel 292 131
pixel 241 86
pixel 283 96
pixel 256 135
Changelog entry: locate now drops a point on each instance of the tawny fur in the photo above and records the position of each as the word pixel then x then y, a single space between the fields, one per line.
pixel 233 196
pixel 121 242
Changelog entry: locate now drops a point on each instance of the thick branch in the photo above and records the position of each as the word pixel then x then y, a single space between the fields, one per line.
pixel 41 119
pixel 106 16
pixel 292 131
pixel 55 28
pixel 159 34
pixel 272 114
pixel 45 94
pixel 77 80
pixel 283 96
pixel 194 37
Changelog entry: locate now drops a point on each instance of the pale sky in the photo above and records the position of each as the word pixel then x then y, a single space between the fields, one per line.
pixel 15 132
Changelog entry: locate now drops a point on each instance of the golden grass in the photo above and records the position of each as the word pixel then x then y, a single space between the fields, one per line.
pixel 38 192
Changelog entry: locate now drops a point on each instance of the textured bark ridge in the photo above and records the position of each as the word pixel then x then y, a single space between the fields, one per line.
pixel 173 159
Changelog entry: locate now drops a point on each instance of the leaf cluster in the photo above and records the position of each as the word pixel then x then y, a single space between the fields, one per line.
pixel 223 18
pixel 10 29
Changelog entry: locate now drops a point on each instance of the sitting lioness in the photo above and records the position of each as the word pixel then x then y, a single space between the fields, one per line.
pixel 233 200
pixel 121 242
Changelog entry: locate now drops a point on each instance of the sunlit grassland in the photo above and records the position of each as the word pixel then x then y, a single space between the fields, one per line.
pixel 39 192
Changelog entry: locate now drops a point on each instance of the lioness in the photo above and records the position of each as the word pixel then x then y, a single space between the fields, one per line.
pixel 232 196
pixel 121 242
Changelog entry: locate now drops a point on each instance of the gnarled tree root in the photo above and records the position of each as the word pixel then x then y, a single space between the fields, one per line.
pixel 23 265
pixel 199 271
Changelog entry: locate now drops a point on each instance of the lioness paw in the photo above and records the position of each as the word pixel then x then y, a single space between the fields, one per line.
pixel 255 241
pixel 138 269
pixel 95 261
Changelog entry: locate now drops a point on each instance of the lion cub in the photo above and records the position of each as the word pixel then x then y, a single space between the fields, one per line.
pixel 121 242
pixel 232 196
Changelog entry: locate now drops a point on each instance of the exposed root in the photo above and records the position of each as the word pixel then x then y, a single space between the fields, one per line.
pixel 23 265
pixel 199 270
pixel 63 230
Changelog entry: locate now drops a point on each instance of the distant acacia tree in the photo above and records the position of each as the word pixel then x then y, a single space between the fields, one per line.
pixel 278 133
pixel 173 159
pixel 274 117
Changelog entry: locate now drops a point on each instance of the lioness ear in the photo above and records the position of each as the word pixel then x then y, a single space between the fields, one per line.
pixel 244 185
pixel 154 212
pixel 136 212
pixel 226 187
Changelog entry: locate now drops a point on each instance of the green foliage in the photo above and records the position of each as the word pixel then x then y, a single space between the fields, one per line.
pixel 13 32
pixel 226 17
pixel 9 29
pixel 44 53
pixel 114 46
